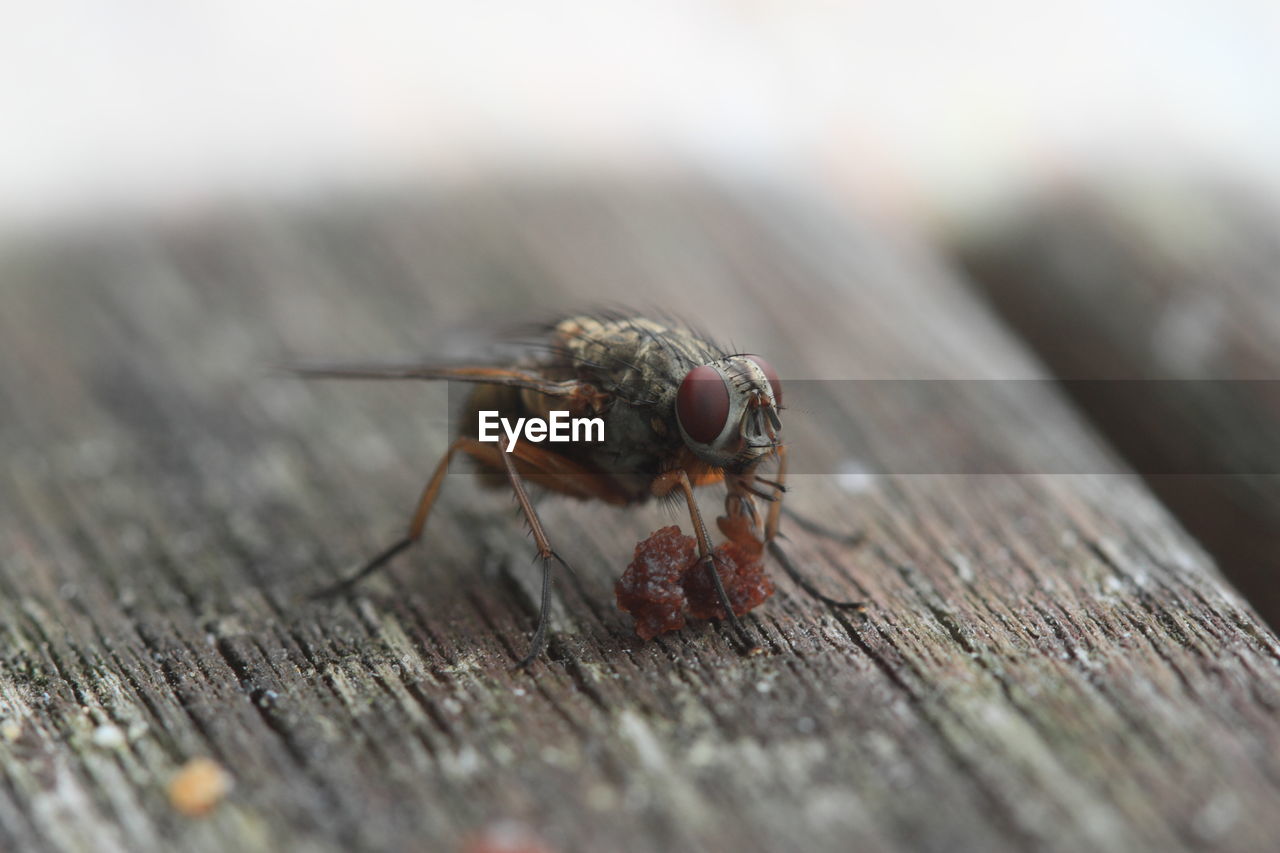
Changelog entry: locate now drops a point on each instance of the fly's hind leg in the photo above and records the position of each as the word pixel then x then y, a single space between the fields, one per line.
pixel 428 498
pixel 551 470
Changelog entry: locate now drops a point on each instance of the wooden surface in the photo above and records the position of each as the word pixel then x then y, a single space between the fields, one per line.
pixel 1191 325
pixel 1049 662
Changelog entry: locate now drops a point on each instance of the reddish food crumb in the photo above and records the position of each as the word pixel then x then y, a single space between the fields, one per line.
pixel 742 574
pixel 665 581
pixel 199 786
pixel 650 589
pixel 505 837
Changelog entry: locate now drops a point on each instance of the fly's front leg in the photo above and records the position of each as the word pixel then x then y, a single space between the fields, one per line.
pixel 772 521
pixel 741 518
pixel 665 484
pixel 777 509
pixel 779 484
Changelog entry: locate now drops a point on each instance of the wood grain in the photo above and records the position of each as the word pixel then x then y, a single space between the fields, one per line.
pixel 1049 662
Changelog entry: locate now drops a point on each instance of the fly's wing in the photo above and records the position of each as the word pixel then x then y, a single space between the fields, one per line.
pixel 511 377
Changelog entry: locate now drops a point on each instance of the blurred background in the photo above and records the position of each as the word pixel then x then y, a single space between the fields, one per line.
pixel 920 109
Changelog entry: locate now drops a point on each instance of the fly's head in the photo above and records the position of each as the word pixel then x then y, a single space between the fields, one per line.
pixel 728 411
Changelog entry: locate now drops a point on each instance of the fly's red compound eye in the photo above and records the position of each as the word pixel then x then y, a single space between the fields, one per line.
pixel 702 404
pixel 772 375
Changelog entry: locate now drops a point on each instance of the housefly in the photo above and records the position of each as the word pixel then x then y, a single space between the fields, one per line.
pixel 679 413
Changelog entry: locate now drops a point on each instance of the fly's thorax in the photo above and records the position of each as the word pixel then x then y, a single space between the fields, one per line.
pixel 642 360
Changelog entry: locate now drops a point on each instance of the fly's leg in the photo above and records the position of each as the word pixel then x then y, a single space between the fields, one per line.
pixel 771 542
pixel 817 528
pixel 563 471
pixel 802 521
pixel 804 583
pixel 545 554
pixel 419 521
pixel 665 484
pixel 780 490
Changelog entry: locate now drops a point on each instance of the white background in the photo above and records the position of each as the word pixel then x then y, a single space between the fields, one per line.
pixel 923 107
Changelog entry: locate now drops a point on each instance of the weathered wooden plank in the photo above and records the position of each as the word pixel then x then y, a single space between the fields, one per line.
pixel 1173 289
pixel 1048 662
